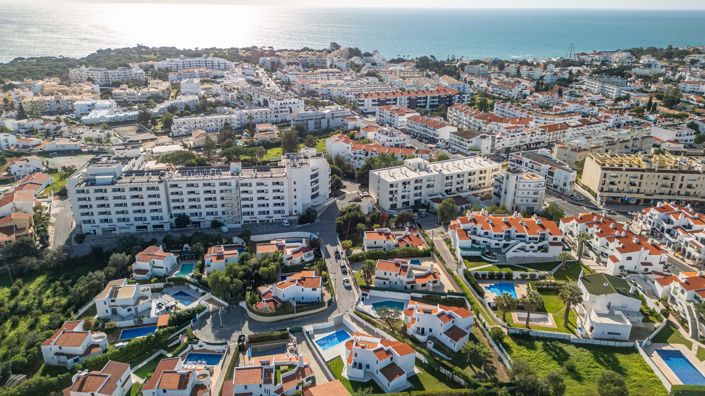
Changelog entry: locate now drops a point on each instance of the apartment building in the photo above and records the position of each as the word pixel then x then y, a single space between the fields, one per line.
pixel 610 308
pixel 471 142
pixel 678 227
pixel 466 117
pixel 182 63
pixel 514 236
pixel 518 190
pixel 283 105
pixel 429 128
pixel 418 181
pixel 123 301
pixel 172 377
pixel 692 86
pixel 538 115
pixel 388 362
pixel 23 166
pixel 628 141
pixel 156 89
pixel 153 261
pixel 71 345
pixel 451 326
pixel 103 76
pixel 114 379
pixel 239 119
pixel 112 196
pixel 394 115
pixel 682 292
pixel 388 240
pixel 356 153
pixel 219 256
pixel 300 288
pixel 611 244
pixel 319 120
pixel 608 86
pixel 644 179
pixel 508 89
pixel 427 99
pixel 402 274
pixel 677 134
pixel 559 177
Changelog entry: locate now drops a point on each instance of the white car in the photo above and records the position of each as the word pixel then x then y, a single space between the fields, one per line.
pixel 285 222
pixel 364 194
pixel 346 282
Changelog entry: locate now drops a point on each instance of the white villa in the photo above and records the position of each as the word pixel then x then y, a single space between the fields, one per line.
pixel 294 251
pixel 71 345
pixel 511 235
pixel 300 288
pixel 402 274
pixel 683 292
pixel 219 256
pixel 387 239
pixel 613 246
pixel 679 227
pixel 450 326
pixel 262 381
pixel 153 262
pixel 114 379
pixel 609 308
pixel 123 301
pixel 173 378
pixel 389 363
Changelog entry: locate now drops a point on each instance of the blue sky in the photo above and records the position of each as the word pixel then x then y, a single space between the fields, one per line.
pixel 579 4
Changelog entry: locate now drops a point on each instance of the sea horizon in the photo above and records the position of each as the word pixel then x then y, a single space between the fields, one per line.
pixel 76 30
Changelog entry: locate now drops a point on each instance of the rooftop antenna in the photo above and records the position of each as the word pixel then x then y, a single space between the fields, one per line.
pixel 570 54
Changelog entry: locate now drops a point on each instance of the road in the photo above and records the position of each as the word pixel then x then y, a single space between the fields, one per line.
pixel 62 222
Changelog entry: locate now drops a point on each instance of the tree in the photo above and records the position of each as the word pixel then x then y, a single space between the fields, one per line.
pixel 525 378
pixel 582 238
pixel 403 218
pixel 441 157
pixel 220 284
pixel 144 117
pixel 505 303
pixel 368 271
pixel 308 216
pixel 570 294
pixel 21 115
pixel 553 212
pixel 447 210
pixel 179 157
pixel 347 220
pixel 336 183
pixel 564 257
pixel 119 262
pixel 372 163
pixel 182 221
pixel 87 287
pixel 362 392
pixel 310 141
pixel 476 354
pixel 290 141
pixel 556 383
pixel 167 121
pixel 610 383
pixel 391 317
pixel 208 148
pixel 531 301
pixel 346 244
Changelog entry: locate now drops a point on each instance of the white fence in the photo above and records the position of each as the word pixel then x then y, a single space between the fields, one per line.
pixel 570 338
pixel 294 234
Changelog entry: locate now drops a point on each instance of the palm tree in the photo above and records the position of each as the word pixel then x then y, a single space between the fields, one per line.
pixel 582 237
pixel 530 301
pixel 505 303
pixel 570 294
pixel 564 256
pixel 475 354
pixel 368 270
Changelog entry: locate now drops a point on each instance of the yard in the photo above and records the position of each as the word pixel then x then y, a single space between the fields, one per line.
pixel 145 371
pixel 555 307
pixel 570 271
pixel 547 356
pixel 273 154
pixel 670 335
pixel 336 367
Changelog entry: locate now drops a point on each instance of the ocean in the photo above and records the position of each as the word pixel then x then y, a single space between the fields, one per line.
pixel 76 30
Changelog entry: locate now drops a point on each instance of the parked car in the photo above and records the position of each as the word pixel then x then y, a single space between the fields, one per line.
pixel 344 270
pixel 346 282
pixel 285 222
pixel 337 254
pixel 364 194
pixel 577 197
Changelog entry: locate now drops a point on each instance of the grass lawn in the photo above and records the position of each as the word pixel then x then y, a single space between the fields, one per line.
pixel 425 381
pixel 549 266
pixel 358 278
pixel 136 390
pixel 278 372
pixel 547 356
pixel 471 264
pixel 556 308
pixel 147 370
pixel 336 367
pixel 570 271
pixel 178 348
pixel 670 335
pixel 701 354
pixel 273 154
pixel 474 302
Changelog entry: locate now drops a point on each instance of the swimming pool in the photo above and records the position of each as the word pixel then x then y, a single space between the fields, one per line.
pixel 681 367
pixel 136 332
pixel 185 270
pixel 334 339
pixel 389 304
pixel 203 359
pixel 415 262
pixel 183 297
pixel 500 288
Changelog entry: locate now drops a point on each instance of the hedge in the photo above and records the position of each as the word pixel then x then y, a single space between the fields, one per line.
pixel 451 301
pixel 134 352
pixel 473 282
pixel 482 391
pixel 268 336
pixel 405 252
pixel 687 390
pixel 178 318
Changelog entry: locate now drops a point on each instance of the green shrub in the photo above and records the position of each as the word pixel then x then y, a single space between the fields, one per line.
pixel 473 282
pixel 687 390
pixel 268 336
pixel 405 252
pixel 443 300
pixel 178 318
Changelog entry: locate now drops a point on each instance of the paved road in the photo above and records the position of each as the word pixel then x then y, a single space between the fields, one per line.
pixel 62 218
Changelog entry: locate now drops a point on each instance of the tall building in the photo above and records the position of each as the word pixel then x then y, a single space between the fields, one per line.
pixel 103 76
pixel 559 177
pixel 519 190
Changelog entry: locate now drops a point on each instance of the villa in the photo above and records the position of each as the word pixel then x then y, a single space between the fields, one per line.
pixel 153 262
pixel 609 308
pixel 123 301
pixel 387 240
pixel 612 245
pixel 172 378
pixel 71 345
pixel 404 274
pixel 114 379
pixel 294 251
pixel 389 363
pixel 330 388
pixel 450 326
pixel 262 380
pixel 219 256
pixel 678 227
pixel 683 291
pixel 300 288
pixel 514 236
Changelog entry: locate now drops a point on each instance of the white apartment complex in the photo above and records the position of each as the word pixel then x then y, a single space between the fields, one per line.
pixel 103 76
pixel 402 274
pixel 211 63
pixel 559 177
pixel 678 227
pixel 356 153
pixel 418 181
pixel 429 128
pixel 394 115
pixel 318 120
pixel 518 190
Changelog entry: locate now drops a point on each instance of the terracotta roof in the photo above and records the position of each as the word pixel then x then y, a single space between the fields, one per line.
pixel 392 371
pixel 333 388
pixel 168 364
pixel 152 253
pixel 455 333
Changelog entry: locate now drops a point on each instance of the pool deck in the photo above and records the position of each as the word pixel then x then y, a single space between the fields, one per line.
pixel 520 286
pixel 658 361
pixel 332 352
pixel 537 318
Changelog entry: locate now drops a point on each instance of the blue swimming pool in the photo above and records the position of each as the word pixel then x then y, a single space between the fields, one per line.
pixel 136 332
pixel 183 297
pixel 203 359
pixel 500 288
pixel 415 262
pixel 185 270
pixel 334 339
pixel 389 304
pixel 681 367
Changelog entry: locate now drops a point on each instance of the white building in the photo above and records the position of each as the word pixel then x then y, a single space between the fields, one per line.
pixel 559 177
pixel 692 86
pixel 513 236
pixel 23 166
pixel 429 128
pixel 451 326
pixel 153 262
pixel 401 274
pixel 393 115
pixel 682 135
pixel 609 308
pixel 521 191
pixel 123 301
pixel 388 362
pixel 388 240
pixel 219 256
pixel 682 293
pixel 319 120
pixel 608 86
pixel 678 227
pixel 190 86
pixel 7 140
pixel 172 377
pixel 61 145
pixel 71 344
pixel 263 380
pixel 182 63
pixel 356 153
pixel 103 76
pixel 384 135
pixel 114 379
pixel 300 288
pixel 418 181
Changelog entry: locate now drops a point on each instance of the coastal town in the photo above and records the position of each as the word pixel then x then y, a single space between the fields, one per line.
pixel 259 221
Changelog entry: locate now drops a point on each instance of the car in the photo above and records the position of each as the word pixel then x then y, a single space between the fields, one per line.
pixel 610 212
pixel 346 282
pixel 337 254
pixel 364 194
pixel 578 198
pixel 285 222
pixel 344 270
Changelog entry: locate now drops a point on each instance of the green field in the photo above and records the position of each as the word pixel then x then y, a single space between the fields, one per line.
pixel 670 335
pixel 547 356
